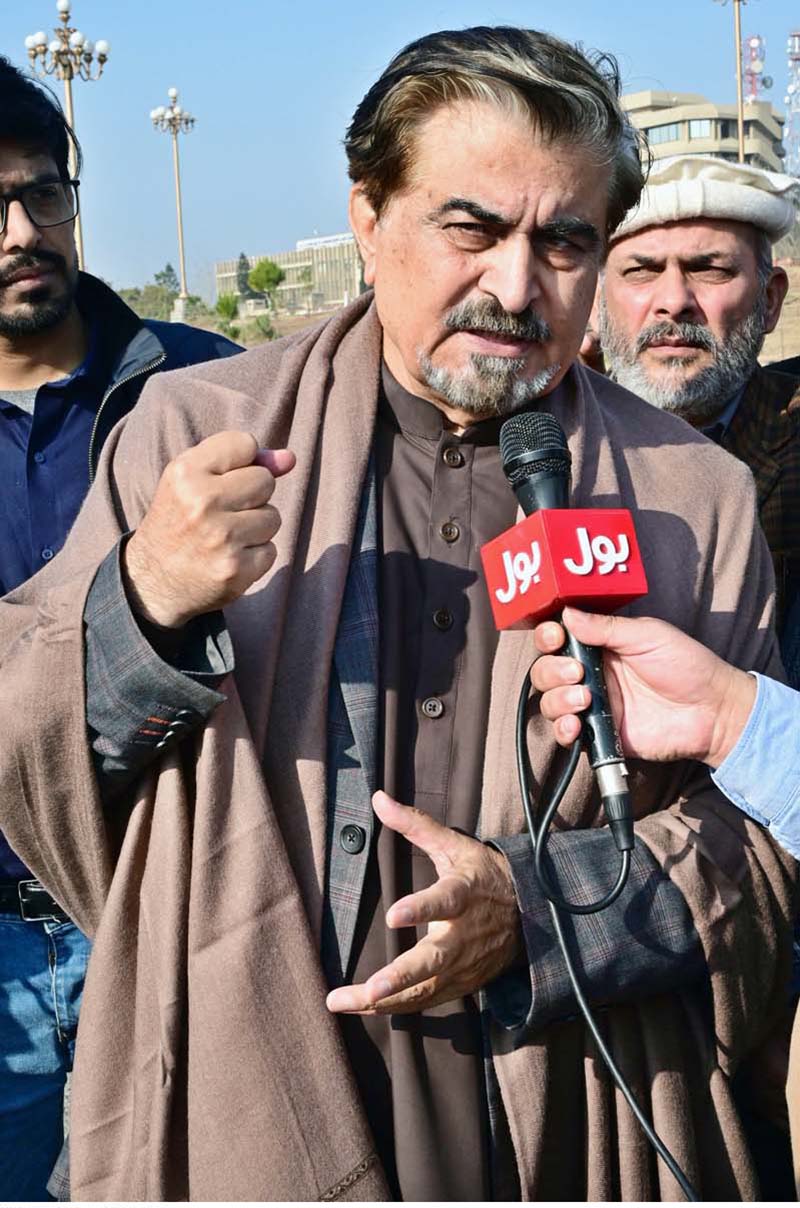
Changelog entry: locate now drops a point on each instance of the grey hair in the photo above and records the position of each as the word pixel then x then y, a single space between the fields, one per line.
pixel 568 96
pixel 763 254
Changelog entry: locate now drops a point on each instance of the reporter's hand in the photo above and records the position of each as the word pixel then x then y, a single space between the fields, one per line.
pixel 208 532
pixel 671 697
pixel 474 929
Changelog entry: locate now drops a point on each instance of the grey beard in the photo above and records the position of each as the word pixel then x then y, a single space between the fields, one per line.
pixel 492 385
pixel 493 388
pixel 698 397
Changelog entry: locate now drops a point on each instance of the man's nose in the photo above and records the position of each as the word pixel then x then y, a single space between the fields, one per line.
pixel 674 297
pixel 20 234
pixel 511 275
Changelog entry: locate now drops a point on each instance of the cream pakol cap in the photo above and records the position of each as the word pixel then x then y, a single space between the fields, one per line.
pixel 700 186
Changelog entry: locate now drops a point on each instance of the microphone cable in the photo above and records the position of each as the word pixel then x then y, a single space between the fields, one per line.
pixel 556 903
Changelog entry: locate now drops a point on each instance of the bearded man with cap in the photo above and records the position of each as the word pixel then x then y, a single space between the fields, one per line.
pixel 688 294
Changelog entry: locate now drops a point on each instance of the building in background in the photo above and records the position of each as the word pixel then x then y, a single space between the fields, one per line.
pixel 320 274
pixel 685 123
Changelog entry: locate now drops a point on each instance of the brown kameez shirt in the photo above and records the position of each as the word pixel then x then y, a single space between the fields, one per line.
pixel 441 496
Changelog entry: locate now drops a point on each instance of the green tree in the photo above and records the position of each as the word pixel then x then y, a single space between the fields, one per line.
pixel 242 274
pixel 149 302
pixel 196 308
pixel 132 296
pixel 263 325
pixel 168 278
pixel 227 307
pixel 155 301
pixel 265 279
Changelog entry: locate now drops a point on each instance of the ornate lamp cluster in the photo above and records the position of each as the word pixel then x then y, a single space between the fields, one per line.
pixel 70 54
pixel 175 120
pixel 172 118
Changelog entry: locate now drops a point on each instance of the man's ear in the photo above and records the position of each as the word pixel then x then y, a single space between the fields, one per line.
pixel 777 287
pixel 363 221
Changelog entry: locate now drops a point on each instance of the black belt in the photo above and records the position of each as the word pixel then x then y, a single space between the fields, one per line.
pixel 30 901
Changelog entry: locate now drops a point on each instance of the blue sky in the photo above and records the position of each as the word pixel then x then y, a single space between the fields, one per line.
pixel 273 85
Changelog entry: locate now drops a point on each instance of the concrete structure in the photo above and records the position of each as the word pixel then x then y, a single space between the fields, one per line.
pixel 320 274
pixel 685 123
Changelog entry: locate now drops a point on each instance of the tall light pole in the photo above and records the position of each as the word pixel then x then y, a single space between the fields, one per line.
pixel 175 120
pixel 68 56
pixel 737 35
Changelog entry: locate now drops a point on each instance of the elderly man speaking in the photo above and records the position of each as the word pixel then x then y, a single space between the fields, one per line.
pixel 689 292
pixel 299 990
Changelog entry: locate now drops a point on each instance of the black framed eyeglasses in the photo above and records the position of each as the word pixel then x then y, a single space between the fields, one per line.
pixel 46 202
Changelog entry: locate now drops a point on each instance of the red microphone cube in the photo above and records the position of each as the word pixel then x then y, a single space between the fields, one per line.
pixel 583 556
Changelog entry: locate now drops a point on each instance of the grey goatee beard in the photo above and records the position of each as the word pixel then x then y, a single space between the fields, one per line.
pixel 490 385
pixel 696 396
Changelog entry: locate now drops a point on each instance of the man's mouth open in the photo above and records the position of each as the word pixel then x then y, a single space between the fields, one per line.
pixel 492 343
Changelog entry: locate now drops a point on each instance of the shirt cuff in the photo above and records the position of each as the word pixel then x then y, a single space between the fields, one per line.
pixel 137 702
pixel 644 943
pixel 761 775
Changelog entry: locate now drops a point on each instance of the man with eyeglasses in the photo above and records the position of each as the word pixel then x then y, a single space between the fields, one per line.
pixel 73 360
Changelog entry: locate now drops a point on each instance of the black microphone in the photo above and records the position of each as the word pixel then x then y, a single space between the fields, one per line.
pixel 537 463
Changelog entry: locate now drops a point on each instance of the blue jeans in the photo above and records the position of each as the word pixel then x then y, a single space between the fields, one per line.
pixel 42 968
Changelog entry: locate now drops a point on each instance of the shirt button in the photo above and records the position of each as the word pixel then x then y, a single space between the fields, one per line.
pixel 453 457
pixel 450 531
pixel 352 839
pixel 39 457
pixel 432 707
pixel 47 553
pixel 176 726
pixel 443 618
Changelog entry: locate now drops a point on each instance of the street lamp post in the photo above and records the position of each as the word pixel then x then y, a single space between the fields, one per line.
pixel 737 36
pixel 69 55
pixel 175 120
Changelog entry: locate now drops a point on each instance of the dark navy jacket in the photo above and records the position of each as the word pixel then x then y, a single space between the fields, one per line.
pixel 132 349
pixel 126 351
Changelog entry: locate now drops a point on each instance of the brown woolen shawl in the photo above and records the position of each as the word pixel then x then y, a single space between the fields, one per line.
pixel 207 1066
pixel 709 573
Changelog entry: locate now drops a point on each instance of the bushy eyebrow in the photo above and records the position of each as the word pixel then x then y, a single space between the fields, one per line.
pixel 47 178
pixel 711 260
pixel 570 227
pixel 464 205
pixel 567 226
pixel 705 260
pixel 644 261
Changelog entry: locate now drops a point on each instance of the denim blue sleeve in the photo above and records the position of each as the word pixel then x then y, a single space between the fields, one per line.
pixel 762 773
